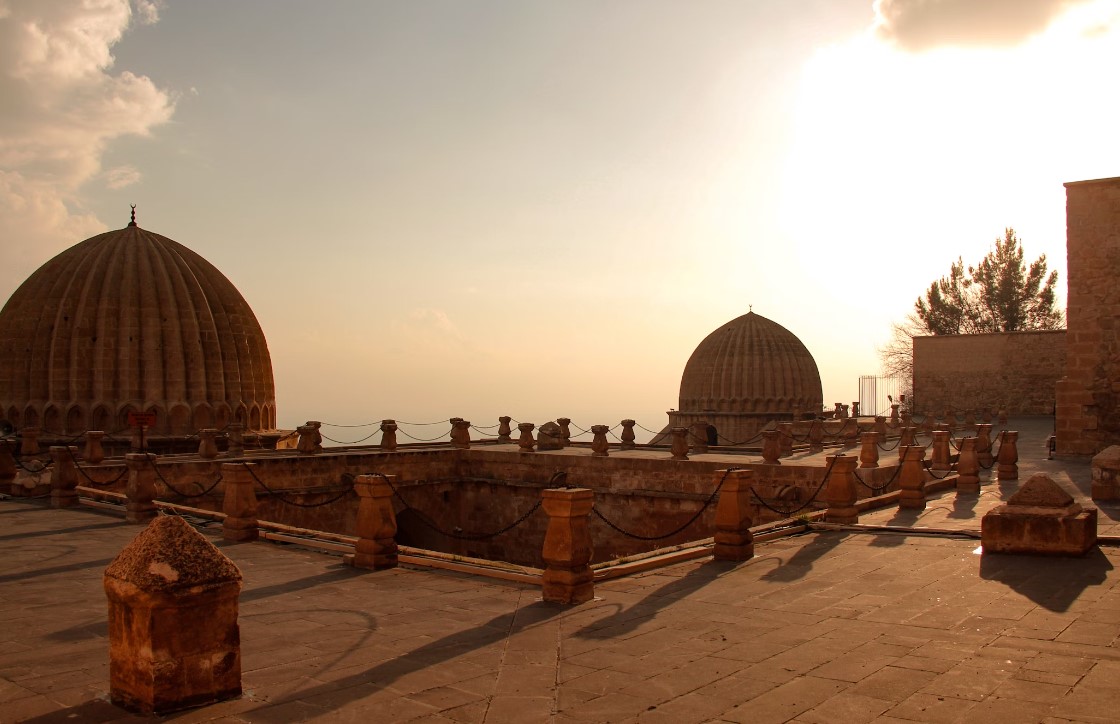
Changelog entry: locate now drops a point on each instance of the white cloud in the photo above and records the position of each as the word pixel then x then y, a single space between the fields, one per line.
pixel 120 176
pixel 60 105
pixel 925 24
pixel 148 11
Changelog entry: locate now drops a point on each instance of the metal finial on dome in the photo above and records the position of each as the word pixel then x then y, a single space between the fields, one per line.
pixel 133 221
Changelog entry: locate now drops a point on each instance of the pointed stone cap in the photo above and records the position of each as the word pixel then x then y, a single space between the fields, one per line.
pixel 170 556
pixel 1109 458
pixel 1040 491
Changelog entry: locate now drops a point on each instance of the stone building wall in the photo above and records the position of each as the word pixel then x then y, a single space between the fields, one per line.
pixel 1016 371
pixel 1088 410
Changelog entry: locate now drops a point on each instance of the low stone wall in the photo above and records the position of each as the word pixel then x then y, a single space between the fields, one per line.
pixel 483 490
pixel 1015 371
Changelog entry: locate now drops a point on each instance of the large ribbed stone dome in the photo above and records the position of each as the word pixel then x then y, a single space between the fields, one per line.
pixel 751 365
pixel 128 321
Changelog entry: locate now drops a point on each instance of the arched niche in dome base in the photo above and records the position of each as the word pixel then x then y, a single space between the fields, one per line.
pixel 254 418
pixel 122 416
pixel 203 416
pixel 13 417
pixel 221 416
pixel 52 419
pixel 161 417
pixel 179 419
pixel 242 415
pixel 102 419
pixel 75 420
pixel 30 416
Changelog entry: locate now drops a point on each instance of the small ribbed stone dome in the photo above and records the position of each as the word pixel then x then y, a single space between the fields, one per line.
pixel 128 321
pixel 751 365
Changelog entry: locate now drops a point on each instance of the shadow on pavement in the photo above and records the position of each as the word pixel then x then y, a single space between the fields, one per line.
pixel 1051 582
pixel 799 565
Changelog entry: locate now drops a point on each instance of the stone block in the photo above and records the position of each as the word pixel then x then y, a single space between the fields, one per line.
pixel 1040 519
pixel 550 437
pixel 174 640
pixel 1106 474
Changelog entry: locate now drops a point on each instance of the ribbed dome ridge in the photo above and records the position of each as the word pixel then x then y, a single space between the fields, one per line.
pixel 751 365
pixel 130 320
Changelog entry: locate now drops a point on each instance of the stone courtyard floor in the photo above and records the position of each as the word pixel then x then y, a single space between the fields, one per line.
pixel 826 627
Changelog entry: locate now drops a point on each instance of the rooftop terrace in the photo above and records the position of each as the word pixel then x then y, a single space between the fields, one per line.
pixel 830 626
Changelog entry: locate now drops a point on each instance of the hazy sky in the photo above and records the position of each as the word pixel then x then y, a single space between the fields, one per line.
pixel 481 207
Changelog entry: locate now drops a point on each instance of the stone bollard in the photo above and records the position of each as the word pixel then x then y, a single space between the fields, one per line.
pixel 698 437
pixel 850 431
pixel 627 436
pixel 64 478
pixel 207 446
pixel 239 502
pixel 525 442
pixel 1041 518
pixel 235 438
pixel 881 426
pixel 548 437
pixel 7 467
pixel 970 418
pixel 1106 474
pixel 816 436
pixel 855 409
pixel 984 445
pixel 912 477
pixel 94 453
pixel 310 440
pixel 771 447
pixel 567 577
pixel 389 435
pixel 733 537
pixel 679 448
pixel 565 430
pixel 894 414
pixel 906 436
pixel 504 429
pixel 376 548
pixel 968 468
pixel 599 445
pixel 174 642
pixel 840 490
pixel 1008 455
pixel 138 442
pixel 845 414
pixel 939 459
pixel 29 441
pixel 141 488
pixel 460 433
pixel 1002 416
pixel 785 439
pixel 869 449
pixel 839 413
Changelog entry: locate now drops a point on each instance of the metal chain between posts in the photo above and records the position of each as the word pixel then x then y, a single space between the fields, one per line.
pixel 356 442
pixel 85 475
pixel 935 476
pixel 803 506
pixel 882 487
pixel 280 496
pixel 181 494
pixel 418 439
pixel 675 531
pixel 995 455
pixel 451 534
pixel 731 443
pixel 889 448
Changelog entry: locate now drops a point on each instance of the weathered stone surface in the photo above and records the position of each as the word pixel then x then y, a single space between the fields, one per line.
pixel 627 437
pixel 980 370
pixel 600 446
pixel 567 550
pixel 1106 474
pixel 1042 519
pixel 389 435
pixel 679 448
pixel 173 635
pixel 733 538
pixel 550 437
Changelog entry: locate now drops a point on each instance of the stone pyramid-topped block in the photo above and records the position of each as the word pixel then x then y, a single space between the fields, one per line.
pixel 1106 474
pixel 1041 518
pixel 550 437
pixel 174 641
